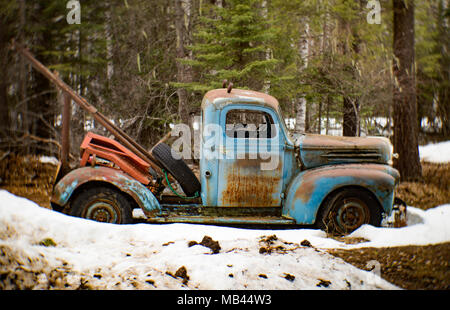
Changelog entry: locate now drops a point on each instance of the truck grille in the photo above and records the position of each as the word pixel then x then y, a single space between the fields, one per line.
pixel 339 156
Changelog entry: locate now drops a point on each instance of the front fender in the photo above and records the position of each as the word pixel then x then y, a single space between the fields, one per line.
pixel 309 188
pixel 65 188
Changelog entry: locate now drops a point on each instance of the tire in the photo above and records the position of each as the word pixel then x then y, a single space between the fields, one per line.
pixel 178 168
pixel 348 209
pixel 102 204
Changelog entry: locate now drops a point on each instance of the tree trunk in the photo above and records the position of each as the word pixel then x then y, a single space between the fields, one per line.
pixel 300 116
pixel 444 74
pixel 300 120
pixel 328 114
pixel 319 121
pixel 22 75
pixel 184 72
pixel 350 118
pixel 109 42
pixel 404 97
pixel 350 106
pixel 4 108
pixel 266 87
pixel 42 109
pixel 66 103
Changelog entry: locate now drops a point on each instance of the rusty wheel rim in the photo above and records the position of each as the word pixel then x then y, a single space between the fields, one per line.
pixel 102 210
pixel 352 214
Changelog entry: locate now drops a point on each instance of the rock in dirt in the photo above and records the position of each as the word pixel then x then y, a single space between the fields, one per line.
pixel 182 273
pixel 208 242
pixel 306 243
pixel 289 277
pixel 323 283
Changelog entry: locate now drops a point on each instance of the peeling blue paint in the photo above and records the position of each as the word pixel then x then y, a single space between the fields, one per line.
pixel 310 188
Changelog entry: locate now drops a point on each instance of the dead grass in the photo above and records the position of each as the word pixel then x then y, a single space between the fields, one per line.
pixel 431 191
pixel 409 267
pixel 27 177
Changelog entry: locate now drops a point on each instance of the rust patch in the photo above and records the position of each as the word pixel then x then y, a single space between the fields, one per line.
pixel 305 191
pixel 250 191
pixel 117 156
pixel 371 172
pixel 249 186
pixel 318 150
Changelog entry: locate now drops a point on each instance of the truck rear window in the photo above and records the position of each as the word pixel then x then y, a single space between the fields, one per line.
pixel 249 124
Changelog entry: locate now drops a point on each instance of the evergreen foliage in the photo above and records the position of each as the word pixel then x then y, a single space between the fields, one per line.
pixel 232 44
pixel 123 58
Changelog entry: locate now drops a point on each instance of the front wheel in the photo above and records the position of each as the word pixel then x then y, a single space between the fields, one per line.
pixel 102 204
pixel 348 209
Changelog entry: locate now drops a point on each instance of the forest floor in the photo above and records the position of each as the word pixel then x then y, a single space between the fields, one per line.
pixel 409 267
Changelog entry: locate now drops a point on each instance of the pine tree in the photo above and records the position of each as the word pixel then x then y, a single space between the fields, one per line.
pixel 232 45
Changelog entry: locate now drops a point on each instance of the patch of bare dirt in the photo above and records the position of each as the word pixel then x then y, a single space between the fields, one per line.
pixel 208 242
pixel 271 244
pixel 409 267
pixel 180 273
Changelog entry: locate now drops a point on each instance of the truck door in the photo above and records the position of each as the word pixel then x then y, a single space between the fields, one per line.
pixel 250 158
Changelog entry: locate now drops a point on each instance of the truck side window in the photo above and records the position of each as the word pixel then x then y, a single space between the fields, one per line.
pixel 249 124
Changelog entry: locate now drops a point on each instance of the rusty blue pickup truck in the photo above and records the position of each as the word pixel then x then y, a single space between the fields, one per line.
pixel 252 170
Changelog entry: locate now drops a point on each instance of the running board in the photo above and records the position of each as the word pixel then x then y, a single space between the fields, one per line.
pixel 238 220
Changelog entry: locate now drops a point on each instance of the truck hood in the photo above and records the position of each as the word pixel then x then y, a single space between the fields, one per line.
pixel 319 150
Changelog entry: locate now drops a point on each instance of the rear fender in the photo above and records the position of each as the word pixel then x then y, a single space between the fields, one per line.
pixel 67 186
pixel 309 188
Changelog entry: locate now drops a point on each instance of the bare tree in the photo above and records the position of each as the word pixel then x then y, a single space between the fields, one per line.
pixel 183 14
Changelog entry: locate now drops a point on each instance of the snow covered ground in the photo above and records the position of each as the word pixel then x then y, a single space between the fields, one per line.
pixel 143 256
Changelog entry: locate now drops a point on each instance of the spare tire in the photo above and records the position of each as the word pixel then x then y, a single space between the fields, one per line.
pixel 178 168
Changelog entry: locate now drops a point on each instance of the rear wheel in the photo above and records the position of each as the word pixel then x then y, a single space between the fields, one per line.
pixel 102 204
pixel 348 209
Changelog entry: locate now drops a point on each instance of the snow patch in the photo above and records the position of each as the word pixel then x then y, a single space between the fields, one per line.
pixel 49 160
pixel 435 153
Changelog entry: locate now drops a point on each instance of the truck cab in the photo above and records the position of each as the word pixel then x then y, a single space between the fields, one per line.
pixel 251 171
pixel 248 157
